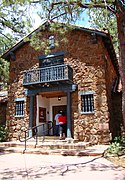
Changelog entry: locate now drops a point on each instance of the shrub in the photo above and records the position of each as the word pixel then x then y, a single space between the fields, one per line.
pixel 117 147
pixel 3 133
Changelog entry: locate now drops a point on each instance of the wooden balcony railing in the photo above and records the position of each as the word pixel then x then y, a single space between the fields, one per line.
pixel 48 74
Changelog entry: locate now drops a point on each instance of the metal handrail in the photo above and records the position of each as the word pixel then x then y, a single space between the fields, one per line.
pixel 34 135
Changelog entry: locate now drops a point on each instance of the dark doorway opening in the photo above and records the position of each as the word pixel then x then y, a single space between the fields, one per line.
pixel 55 110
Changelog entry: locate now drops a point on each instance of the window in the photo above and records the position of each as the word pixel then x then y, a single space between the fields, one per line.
pixel 19 107
pixel 87 102
pixel 51 41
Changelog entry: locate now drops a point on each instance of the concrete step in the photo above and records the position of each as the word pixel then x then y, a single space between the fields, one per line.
pixel 91 151
pixel 55 148
pixel 44 138
pixel 56 144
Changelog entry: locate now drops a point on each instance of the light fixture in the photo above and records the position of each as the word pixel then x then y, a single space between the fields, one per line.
pixel 59 98
pixel 45 85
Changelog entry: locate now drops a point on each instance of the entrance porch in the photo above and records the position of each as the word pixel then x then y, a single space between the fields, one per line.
pixel 48 104
pixel 49 87
pixel 45 101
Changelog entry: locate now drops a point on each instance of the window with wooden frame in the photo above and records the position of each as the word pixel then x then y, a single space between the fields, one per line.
pixel 87 102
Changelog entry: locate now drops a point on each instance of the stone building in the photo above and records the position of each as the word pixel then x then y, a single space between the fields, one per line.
pixel 76 77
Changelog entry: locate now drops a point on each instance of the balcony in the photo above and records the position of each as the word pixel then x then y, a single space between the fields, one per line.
pixel 58 73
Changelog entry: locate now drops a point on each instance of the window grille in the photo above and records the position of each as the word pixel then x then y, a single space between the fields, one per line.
pixel 19 108
pixel 87 105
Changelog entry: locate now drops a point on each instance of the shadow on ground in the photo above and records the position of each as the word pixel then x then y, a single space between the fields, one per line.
pixel 61 170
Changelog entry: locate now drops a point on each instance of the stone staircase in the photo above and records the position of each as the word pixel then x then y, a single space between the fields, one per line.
pixel 54 146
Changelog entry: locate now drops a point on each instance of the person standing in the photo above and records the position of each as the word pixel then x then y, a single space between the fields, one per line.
pixel 63 124
pixel 56 133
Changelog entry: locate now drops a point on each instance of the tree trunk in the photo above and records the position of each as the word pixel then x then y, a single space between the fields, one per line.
pixel 121 37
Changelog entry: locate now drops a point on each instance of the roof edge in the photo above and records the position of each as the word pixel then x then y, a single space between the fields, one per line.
pixel 6 55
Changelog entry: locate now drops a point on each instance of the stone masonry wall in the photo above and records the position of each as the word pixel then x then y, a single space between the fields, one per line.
pixel 91 70
pixel 26 58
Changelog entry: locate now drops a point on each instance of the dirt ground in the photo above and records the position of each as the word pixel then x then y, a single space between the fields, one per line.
pixel 120 161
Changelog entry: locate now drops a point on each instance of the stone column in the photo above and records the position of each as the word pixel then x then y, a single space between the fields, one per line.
pixel 31 114
pixel 69 129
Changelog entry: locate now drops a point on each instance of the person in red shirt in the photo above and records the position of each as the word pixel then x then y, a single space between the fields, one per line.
pixel 62 123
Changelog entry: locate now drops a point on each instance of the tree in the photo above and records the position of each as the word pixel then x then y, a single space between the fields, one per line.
pixel 13 19
pixel 4 69
pixel 104 20
pixel 5 43
pixel 14 24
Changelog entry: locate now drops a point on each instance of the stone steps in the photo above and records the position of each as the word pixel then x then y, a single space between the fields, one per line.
pixel 57 144
pixel 54 148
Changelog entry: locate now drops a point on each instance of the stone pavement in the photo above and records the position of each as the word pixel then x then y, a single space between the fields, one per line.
pixel 17 166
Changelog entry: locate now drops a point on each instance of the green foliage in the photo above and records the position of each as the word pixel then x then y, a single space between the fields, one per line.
pixel 13 18
pixel 63 11
pixel 6 41
pixel 14 22
pixel 70 11
pixel 104 20
pixel 53 28
pixel 117 147
pixel 3 133
pixel 4 72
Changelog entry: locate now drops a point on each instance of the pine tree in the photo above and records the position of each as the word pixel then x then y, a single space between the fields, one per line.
pixel 14 24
